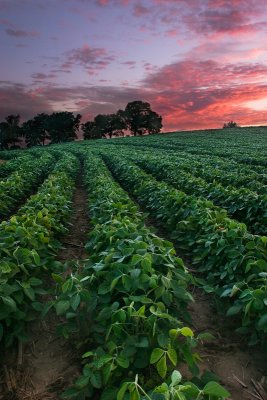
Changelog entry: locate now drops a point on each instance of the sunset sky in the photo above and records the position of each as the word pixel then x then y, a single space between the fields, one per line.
pixel 199 63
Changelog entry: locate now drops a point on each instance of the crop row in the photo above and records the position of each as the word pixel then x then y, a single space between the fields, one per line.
pixel 127 303
pixel 9 166
pixel 242 204
pixel 20 183
pixel 27 244
pixel 211 169
pixel 248 150
pixel 232 260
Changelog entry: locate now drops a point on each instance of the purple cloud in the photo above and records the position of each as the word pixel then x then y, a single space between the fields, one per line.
pixel 21 33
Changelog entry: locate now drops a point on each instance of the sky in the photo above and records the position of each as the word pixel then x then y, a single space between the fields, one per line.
pixel 199 63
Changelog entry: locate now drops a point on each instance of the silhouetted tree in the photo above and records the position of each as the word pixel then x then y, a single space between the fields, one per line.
pixel 230 124
pixel 115 124
pixel 153 123
pixel 10 131
pixel 62 126
pixel 141 119
pixel 91 131
pixel 105 125
pixel 35 130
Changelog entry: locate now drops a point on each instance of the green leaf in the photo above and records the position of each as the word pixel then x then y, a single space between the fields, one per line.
pixel 185 331
pixel 176 378
pixel 57 278
pixel 5 267
pixel 155 355
pixel 96 380
pixel 70 393
pixel 215 389
pixel 75 301
pixel 162 366
pixel 172 356
pixel 67 286
pixel 233 310
pixel 35 281
pixel 82 382
pixel 87 354
pixel 263 321
pixel 8 301
pixel 134 395
pixel 114 282
pixel 36 257
pixel 62 306
pixel 122 361
pixel 122 391
pixel 163 388
pixel 109 393
pixel 29 293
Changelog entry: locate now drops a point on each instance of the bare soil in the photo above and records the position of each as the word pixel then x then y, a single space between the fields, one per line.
pixel 242 370
pixel 2 161
pixel 49 362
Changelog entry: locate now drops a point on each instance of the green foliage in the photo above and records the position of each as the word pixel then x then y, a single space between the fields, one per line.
pixel 231 258
pixel 27 244
pixel 30 172
pixel 125 301
pixel 243 204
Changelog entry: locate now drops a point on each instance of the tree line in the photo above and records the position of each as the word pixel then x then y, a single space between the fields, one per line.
pixel 137 119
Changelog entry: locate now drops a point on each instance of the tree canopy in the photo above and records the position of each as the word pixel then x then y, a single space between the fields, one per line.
pixel 10 131
pixel 230 124
pixel 137 117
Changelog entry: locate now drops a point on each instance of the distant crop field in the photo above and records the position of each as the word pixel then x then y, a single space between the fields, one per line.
pixel 107 243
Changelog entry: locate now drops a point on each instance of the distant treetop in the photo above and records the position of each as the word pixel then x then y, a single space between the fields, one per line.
pixel 230 124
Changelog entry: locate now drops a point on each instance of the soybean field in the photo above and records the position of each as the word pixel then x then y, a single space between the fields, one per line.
pixel 135 268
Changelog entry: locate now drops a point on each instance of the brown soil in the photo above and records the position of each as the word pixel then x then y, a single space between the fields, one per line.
pixel 239 367
pixel 2 161
pixel 50 363
pixel 75 240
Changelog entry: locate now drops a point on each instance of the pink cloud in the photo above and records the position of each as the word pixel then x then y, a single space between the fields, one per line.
pixel 91 58
pixel 40 76
pixel 140 10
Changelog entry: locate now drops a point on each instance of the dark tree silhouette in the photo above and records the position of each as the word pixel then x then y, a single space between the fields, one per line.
pixel 90 131
pixel 10 131
pixel 35 130
pixel 230 124
pixel 153 123
pixel 105 125
pixel 115 124
pixel 62 126
pixel 141 119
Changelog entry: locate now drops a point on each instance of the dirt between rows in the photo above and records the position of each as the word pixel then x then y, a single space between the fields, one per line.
pixel 242 370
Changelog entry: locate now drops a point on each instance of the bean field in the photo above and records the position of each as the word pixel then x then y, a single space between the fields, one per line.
pixel 135 268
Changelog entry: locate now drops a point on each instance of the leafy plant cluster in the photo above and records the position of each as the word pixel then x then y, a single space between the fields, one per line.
pixel 127 303
pixel 242 204
pixel 19 184
pixel 214 169
pixel 27 245
pixel 233 260
pixel 12 164
pixel 245 147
